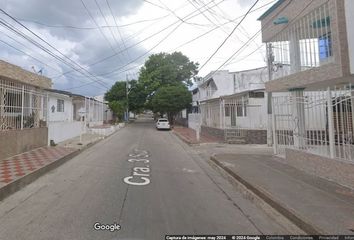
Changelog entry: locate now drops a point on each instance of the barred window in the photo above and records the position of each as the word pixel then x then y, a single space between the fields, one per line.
pixel 60 105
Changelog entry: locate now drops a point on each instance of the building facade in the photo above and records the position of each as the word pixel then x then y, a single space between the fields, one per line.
pixel 23 106
pixel 314 114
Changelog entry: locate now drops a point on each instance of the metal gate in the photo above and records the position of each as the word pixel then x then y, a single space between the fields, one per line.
pixel 319 122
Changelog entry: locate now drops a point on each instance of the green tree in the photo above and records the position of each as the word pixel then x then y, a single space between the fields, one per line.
pixel 136 96
pixel 165 69
pixel 118 108
pixel 117 92
pixel 171 100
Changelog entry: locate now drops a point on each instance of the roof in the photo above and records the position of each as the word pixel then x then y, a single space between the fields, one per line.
pixel 12 72
pixel 60 92
pixel 243 92
pixel 195 90
pixel 270 10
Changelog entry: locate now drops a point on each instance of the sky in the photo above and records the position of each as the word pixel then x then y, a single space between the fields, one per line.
pixel 85 46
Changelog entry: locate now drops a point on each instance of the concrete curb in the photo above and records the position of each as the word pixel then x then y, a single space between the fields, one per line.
pixel 184 139
pixel 283 210
pixel 20 183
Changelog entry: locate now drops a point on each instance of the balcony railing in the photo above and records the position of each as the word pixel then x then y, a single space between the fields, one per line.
pixel 305 44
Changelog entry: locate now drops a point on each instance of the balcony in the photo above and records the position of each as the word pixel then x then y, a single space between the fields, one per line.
pixel 310 48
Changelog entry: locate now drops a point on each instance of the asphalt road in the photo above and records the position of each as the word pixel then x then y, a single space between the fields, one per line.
pixel 163 187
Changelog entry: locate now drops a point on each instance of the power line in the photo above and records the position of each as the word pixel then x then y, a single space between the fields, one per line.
pixel 249 10
pixel 70 63
pixel 213 29
pixel 187 17
pixel 94 21
pixel 142 55
pixel 257 33
pixel 90 28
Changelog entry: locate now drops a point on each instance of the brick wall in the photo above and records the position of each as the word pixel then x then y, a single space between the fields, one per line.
pixel 256 136
pixel 334 170
pixel 216 132
pixel 14 142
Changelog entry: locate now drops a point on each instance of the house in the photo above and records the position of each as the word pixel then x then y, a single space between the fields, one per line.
pixel 60 116
pixel 23 110
pixel 215 84
pixel 107 112
pixel 313 116
pixel 240 117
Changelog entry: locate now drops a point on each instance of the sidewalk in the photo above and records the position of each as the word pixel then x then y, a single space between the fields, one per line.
pixel 189 136
pixel 24 168
pixel 314 204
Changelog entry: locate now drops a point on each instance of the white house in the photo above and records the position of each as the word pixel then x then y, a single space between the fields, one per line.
pixel 215 84
pixel 240 116
pixel 60 117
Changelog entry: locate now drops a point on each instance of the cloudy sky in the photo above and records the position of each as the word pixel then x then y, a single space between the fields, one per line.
pixel 84 46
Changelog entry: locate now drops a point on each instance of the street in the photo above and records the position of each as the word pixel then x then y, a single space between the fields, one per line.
pixel 147 181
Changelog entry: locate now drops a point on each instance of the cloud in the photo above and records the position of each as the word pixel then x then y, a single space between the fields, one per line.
pixel 83 46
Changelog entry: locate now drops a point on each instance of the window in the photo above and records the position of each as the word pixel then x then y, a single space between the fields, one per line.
pixel 241 109
pixel 325 46
pixel 60 105
pixel 227 110
pixel 13 102
pixel 256 94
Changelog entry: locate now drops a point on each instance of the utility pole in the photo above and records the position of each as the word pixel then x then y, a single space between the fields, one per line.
pixel 270 60
pixel 126 90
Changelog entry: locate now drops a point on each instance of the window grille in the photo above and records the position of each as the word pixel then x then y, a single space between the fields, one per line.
pixel 305 44
pixel 60 105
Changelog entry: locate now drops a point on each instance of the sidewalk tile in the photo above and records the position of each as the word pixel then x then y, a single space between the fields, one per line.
pixel 20 165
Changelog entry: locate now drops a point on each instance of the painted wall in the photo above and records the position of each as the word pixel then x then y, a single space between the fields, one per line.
pixel 18 141
pixel 55 116
pixel 61 131
pixel 349 14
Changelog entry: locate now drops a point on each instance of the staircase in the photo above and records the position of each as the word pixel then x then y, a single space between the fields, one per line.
pixel 235 136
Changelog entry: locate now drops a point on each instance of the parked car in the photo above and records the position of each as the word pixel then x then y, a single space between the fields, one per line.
pixel 162 123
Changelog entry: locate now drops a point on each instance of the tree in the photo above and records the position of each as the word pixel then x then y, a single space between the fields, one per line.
pixel 165 69
pixel 118 108
pixel 136 96
pixel 171 100
pixel 118 92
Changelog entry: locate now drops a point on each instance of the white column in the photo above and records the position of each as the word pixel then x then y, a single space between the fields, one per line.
pixel 22 105
pixel 295 60
pixel 270 132
pixel 330 124
pixel 220 114
pixel 298 115
pixel 2 106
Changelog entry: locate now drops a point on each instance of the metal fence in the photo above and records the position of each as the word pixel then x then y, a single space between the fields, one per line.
pixel 319 122
pixel 245 111
pixel 94 111
pixel 211 112
pixel 21 106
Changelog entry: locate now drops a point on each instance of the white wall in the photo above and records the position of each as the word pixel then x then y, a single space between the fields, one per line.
pixel 61 131
pixel 194 120
pixel 256 117
pixel 349 13
pixel 250 80
pixel 56 116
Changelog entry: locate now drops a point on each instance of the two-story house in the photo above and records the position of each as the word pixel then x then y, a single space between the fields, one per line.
pixel 315 39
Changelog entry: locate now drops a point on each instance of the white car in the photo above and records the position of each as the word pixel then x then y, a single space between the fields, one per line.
pixel 162 123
